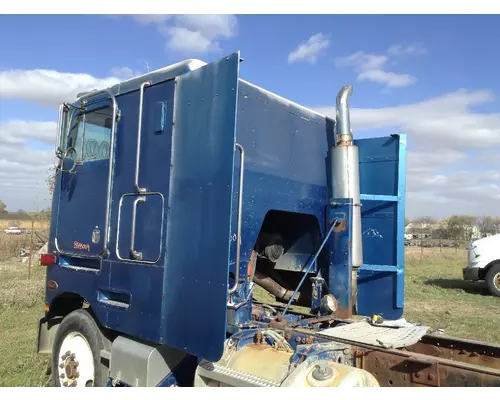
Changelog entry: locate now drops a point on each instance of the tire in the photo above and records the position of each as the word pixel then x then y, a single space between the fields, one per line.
pixel 76 352
pixel 493 280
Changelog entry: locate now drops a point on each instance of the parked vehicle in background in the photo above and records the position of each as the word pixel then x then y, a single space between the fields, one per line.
pixel 484 263
pixel 13 230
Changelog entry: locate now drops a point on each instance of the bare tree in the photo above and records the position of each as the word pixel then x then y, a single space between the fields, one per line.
pixel 50 180
pixel 460 227
pixel 487 225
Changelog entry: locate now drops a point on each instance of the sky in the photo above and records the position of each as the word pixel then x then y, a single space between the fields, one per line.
pixel 433 78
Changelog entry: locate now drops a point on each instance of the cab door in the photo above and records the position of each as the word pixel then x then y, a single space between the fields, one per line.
pixel 82 220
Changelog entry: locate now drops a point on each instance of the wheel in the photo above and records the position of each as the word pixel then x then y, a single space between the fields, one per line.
pixel 493 280
pixel 76 352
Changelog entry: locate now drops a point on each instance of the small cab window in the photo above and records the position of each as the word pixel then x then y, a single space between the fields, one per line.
pixel 90 135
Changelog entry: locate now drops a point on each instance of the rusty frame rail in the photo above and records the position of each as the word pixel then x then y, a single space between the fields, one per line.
pixel 436 360
pixel 405 368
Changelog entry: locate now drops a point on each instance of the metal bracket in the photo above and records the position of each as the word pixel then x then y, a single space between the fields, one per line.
pixel 240 210
pixel 139 131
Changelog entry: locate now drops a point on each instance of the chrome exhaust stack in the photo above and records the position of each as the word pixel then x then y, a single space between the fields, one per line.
pixel 345 172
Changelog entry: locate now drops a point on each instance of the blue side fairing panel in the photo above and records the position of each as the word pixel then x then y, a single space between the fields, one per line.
pixel 199 209
pixel 285 149
pixel 382 184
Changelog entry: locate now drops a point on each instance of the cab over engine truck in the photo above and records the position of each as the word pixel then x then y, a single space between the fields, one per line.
pixel 184 193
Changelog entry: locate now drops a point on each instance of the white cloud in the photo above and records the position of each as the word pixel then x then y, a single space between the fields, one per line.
pixel 124 73
pixel 48 87
pixel 391 79
pixel 18 132
pixel 193 33
pixel 309 50
pixel 152 18
pixel 22 167
pixel 370 67
pixel 453 151
pixel 411 50
pixel 183 39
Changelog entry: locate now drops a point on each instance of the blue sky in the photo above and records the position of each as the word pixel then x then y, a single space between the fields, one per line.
pixel 431 77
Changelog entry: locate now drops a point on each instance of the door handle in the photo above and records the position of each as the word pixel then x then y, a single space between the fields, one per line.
pixel 137 255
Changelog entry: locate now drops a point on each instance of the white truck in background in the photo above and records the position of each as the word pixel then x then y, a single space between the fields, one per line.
pixel 484 263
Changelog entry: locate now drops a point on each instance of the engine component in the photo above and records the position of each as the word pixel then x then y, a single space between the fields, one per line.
pixel 274 287
pixel 328 305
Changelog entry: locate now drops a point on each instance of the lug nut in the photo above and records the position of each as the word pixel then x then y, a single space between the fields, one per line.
pixel 61 365
pixel 61 376
pixel 65 384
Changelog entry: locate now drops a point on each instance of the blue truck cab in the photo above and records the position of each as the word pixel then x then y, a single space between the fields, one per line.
pixel 181 193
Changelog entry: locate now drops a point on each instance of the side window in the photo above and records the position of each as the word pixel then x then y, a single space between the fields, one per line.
pixel 90 135
pixel 97 135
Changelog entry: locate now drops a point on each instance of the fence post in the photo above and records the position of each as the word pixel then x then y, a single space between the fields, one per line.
pixel 31 250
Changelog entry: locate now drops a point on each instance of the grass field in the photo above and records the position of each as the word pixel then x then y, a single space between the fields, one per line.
pixel 435 295
pixel 24 224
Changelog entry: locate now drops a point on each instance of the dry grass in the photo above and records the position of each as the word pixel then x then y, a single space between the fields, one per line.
pixel 21 305
pixel 10 245
pixel 25 224
pixel 16 290
pixel 434 291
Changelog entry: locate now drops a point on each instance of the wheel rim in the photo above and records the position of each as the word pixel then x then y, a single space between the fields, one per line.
pixel 75 362
pixel 496 281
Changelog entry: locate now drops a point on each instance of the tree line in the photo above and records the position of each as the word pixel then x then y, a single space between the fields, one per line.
pixel 455 227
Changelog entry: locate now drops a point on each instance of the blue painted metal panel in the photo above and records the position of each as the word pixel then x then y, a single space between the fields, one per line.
pixel 144 284
pixel 385 268
pixel 378 225
pixel 154 170
pixel 143 281
pixel 84 282
pixel 149 236
pixel 382 182
pixel 400 243
pixel 285 149
pixel 378 197
pixel 199 209
pixel 378 165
